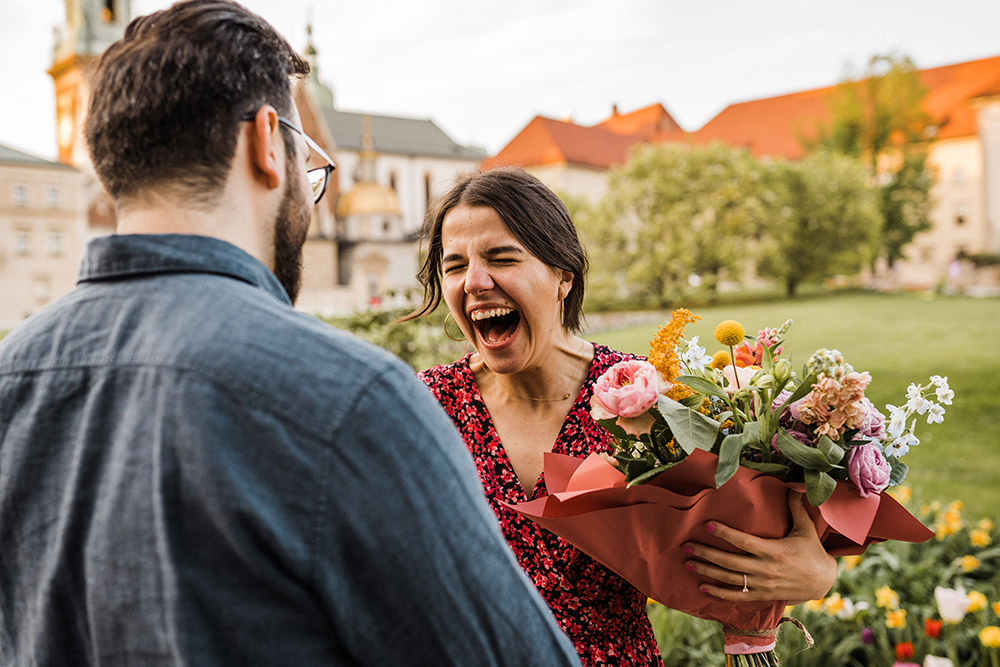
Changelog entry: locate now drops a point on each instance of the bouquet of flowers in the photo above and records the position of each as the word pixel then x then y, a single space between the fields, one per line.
pixel 726 437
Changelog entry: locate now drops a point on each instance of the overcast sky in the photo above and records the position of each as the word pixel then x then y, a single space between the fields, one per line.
pixel 481 69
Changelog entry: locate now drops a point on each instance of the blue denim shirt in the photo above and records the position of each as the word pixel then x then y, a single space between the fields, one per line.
pixel 193 473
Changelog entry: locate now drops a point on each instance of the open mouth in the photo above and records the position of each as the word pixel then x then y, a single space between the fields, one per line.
pixel 495 325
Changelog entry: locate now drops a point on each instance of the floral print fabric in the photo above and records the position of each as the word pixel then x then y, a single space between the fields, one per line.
pixel 602 614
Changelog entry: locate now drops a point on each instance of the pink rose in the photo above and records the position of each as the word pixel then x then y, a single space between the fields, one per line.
pixel 868 469
pixel 627 389
pixel 873 423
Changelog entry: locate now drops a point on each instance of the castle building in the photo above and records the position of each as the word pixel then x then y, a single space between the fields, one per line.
pixel 42 232
pixel 963 101
pixel 362 248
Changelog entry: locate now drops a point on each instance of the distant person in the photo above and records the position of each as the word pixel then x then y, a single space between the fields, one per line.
pixel 504 256
pixel 192 472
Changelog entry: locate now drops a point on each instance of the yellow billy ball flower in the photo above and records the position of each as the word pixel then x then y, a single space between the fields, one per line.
pixel 990 636
pixel 996 608
pixel 977 601
pixel 721 359
pixel 985 524
pixel 896 619
pixel 729 332
pixel 902 494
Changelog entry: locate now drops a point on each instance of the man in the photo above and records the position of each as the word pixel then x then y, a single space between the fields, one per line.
pixel 191 472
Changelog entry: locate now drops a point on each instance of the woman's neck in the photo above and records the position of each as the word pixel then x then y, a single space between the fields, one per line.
pixel 553 382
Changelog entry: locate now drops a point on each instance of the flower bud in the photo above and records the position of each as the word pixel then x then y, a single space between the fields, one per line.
pixel 782 371
pixel 763 380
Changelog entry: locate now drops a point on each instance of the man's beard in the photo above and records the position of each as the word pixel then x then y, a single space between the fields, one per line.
pixel 289 237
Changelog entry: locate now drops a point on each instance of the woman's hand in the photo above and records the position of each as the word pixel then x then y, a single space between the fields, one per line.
pixel 794 568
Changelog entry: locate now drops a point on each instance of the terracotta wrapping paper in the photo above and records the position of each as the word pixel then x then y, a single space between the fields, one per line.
pixel 638 532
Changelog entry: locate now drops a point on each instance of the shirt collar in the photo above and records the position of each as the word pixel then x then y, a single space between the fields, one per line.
pixel 124 255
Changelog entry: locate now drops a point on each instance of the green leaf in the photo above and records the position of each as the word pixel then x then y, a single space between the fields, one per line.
pixel 692 430
pixel 729 458
pixel 804 388
pixel 898 470
pixel 833 452
pixel 777 469
pixel 819 487
pixel 650 474
pixel 702 385
pixel 804 455
pixel 693 401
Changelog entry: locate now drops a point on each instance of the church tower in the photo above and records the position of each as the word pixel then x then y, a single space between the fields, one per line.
pixel 91 26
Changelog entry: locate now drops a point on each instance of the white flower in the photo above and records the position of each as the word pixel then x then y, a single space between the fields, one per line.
pixel 934 661
pixel 897 448
pixel 945 394
pixel 900 446
pixel 952 603
pixel 897 421
pixel 694 356
pixel 913 392
pixel 935 415
pixel 939 381
pixel 920 405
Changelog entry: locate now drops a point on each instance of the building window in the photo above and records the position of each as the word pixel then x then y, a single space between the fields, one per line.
pixel 427 191
pixel 22 242
pixel 20 195
pixel 392 180
pixel 386 226
pixel 52 197
pixel 54 244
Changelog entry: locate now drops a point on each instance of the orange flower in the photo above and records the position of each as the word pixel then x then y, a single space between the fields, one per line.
pixel 932 628
pixel 663 347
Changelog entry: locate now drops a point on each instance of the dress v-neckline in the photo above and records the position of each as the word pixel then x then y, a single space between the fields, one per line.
pixel 539 484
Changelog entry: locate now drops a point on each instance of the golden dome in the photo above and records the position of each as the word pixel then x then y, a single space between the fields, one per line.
pixel 368 199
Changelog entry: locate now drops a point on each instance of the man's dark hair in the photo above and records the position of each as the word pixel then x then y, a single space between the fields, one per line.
pixel 166 99
pixel 536 217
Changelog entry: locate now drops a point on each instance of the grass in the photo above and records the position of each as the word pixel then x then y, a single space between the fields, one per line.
pixel 899 339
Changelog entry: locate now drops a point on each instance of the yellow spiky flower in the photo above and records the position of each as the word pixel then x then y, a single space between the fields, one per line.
pixel 663 351
pixel 721 359
pixel 729 333
pixel 663 347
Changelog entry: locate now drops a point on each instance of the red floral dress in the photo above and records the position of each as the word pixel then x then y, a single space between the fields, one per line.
pixel 602 614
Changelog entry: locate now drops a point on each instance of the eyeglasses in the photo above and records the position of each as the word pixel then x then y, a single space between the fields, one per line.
pixel 319 178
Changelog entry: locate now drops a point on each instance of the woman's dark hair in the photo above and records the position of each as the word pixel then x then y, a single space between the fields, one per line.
pixel 167 98
pixel 536 217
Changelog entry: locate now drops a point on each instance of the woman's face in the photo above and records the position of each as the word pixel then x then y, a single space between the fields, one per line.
pixel 506 300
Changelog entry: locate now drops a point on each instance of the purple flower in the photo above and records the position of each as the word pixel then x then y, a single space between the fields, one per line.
pixel 867 636
pixel 868 469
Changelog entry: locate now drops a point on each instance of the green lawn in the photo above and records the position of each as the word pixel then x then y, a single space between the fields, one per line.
pixel 899 339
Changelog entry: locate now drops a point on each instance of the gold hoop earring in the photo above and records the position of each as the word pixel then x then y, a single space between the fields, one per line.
pixel 447 333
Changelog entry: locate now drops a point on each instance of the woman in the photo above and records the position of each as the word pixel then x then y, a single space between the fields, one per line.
pixel 505 257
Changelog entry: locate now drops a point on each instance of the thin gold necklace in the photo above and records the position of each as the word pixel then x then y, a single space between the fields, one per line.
pixel 542 400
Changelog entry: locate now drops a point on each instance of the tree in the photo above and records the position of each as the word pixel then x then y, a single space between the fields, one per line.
pixel 675 217
pixel 827 223
pixel 880 119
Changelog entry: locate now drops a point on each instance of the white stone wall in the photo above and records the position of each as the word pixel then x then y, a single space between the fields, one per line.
pixel 42 235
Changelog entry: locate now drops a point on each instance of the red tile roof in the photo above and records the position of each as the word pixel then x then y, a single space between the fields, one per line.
pixel 774 126
pixel 546 141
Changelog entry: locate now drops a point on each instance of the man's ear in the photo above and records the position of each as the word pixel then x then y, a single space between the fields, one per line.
pixel 265 132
